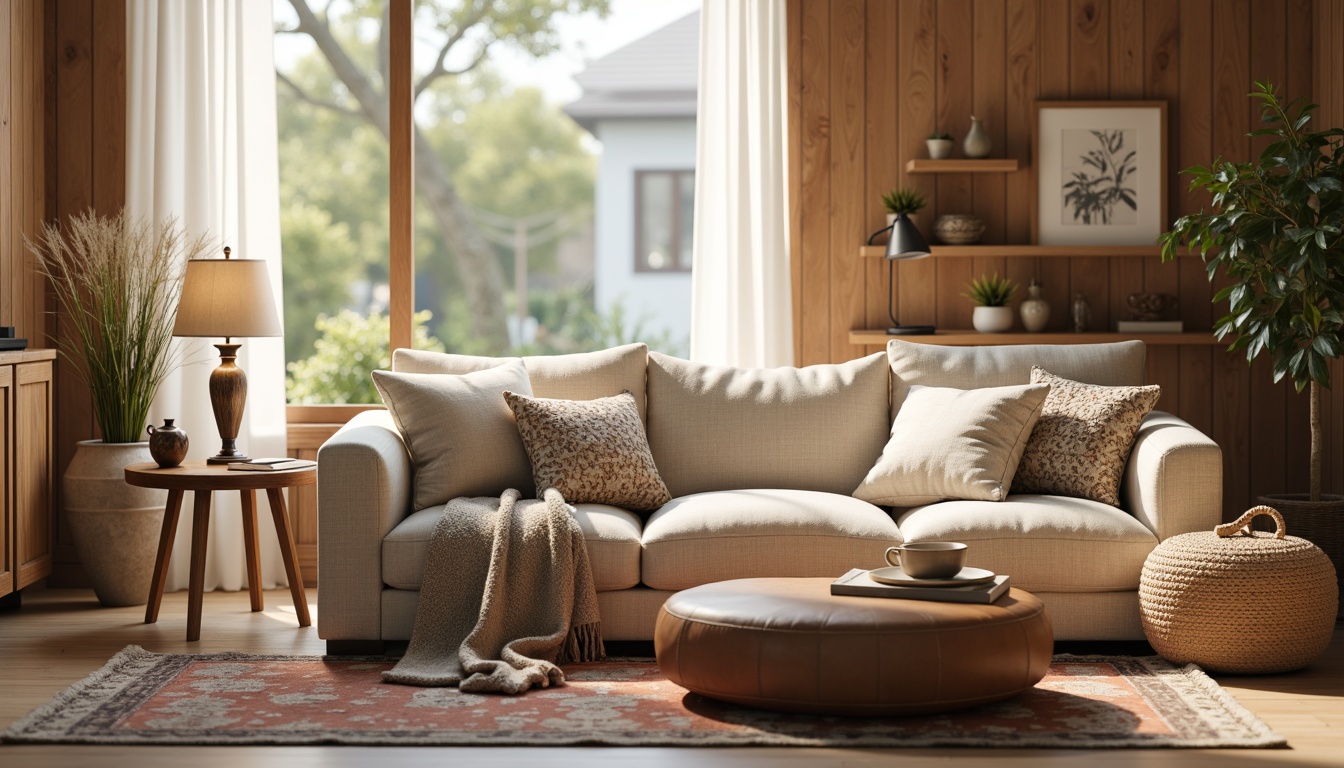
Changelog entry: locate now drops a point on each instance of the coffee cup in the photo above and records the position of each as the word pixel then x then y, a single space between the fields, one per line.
pixel 928 559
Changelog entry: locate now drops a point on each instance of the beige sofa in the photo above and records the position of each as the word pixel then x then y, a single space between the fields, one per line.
pixel 761 465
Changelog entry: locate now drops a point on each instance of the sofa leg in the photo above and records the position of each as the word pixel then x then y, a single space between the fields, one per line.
pixel 355 648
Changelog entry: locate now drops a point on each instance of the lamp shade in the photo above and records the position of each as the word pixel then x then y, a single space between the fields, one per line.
pixel 226 297
pixel 905 241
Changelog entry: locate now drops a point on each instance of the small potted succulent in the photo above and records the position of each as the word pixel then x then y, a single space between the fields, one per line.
pixel 991 295
pixel 940 146
pixel 903 200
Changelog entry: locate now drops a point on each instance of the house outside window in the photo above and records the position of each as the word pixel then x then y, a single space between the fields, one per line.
pixel 664 214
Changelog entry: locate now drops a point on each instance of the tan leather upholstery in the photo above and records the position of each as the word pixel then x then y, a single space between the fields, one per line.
pixel 789 645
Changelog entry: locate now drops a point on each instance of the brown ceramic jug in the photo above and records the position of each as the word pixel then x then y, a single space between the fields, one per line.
pixel 167 444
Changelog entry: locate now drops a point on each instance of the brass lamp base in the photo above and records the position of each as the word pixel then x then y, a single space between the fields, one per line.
pixel 228 396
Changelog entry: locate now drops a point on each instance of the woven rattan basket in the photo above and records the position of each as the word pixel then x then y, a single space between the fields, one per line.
pixel 1234 601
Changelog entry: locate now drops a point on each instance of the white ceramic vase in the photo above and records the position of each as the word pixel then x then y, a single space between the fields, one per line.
pixel 977 143
pixel 992 319
pixel 1035 311
pixel 115 526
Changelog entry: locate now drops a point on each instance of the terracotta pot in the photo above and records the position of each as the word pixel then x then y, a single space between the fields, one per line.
pixel 115 526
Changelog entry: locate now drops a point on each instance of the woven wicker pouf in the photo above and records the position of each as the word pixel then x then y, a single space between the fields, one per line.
pixel 1239 602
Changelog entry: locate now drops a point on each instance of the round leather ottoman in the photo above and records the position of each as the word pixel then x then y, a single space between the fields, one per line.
pixel 790 645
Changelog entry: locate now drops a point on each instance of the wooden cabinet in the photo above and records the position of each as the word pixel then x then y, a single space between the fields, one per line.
pixel 26 467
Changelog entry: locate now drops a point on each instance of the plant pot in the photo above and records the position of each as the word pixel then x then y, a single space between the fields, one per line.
pixel 939 149
pixel 1320 522
pixel 992 319
pixel 913 217
pixel 115 526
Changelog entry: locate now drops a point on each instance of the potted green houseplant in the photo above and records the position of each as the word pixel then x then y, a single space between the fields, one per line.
pixel 1275 230
pixel 940 146
pixel 991 295
pixel 117 283
pixel 903 200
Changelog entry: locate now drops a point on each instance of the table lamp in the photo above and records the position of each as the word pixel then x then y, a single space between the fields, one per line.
pixel 905 243
pixel 227 297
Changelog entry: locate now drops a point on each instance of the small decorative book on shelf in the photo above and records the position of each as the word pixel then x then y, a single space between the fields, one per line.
pixel 857 583
pixel 272 465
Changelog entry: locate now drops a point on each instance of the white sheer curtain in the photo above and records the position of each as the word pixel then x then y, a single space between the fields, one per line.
pixel 201 145
pixel 741 291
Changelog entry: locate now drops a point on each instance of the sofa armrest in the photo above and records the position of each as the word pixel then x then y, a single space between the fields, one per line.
pixel 1174 480
pixel 363 491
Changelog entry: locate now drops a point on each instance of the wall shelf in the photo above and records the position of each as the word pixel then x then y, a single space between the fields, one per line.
pixel 986 165
pixel 990 251
pixel 968 338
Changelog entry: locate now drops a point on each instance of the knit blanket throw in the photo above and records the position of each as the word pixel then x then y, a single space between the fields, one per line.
pixel 507 595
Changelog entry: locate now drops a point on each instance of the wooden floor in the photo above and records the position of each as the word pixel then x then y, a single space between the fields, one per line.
pixel 59 636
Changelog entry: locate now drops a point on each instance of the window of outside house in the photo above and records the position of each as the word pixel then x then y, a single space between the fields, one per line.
pixel 664 214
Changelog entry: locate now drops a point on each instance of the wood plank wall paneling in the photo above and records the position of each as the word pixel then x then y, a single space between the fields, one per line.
pixel 85 66
pixel 921 65
pixel 22 166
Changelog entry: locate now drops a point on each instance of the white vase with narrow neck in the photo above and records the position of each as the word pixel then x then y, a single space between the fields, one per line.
pixel 977 143
pixel 1035 311
pixel 992 319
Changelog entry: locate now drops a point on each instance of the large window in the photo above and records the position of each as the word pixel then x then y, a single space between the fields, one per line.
pixel 664 213
pixel 514 211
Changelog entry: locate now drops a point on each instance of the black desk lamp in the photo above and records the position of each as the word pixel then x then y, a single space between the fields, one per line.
pixel 905 243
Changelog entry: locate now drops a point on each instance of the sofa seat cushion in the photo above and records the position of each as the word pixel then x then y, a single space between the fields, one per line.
pixel 1046 543
pixel 611 535
pixel 744 534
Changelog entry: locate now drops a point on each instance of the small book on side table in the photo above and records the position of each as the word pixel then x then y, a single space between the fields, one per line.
pixel 857 584
pixel 271 465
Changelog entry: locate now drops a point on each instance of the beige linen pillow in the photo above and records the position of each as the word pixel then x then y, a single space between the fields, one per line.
pixel 460 432
pixel 954 444
pixel 1082 440
pixel 580 376
pixel 590 450
pixel 716 428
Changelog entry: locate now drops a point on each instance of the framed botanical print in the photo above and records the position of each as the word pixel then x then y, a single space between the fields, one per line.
pixel 1101 172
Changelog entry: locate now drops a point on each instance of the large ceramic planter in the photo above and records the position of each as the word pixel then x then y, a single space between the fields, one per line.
pixel 115 526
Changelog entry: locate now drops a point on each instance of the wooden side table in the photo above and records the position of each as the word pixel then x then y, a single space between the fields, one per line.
pixel 202 480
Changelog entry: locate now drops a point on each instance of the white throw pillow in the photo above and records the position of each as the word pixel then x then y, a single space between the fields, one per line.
pixel 461 434
pixel 954 444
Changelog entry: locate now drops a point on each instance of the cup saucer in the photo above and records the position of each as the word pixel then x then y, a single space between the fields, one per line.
pixel 897 577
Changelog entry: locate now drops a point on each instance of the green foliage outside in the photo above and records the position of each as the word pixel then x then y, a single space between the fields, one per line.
pixel 349 348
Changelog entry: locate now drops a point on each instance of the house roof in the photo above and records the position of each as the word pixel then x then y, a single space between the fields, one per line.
pixel 654 76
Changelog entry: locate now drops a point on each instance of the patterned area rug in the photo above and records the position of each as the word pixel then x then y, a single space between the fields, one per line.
pixel 147 698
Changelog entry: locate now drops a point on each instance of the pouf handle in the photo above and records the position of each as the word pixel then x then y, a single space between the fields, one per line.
pixel 1244 522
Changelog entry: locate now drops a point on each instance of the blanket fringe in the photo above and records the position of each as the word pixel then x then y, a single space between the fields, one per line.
pixel 583 644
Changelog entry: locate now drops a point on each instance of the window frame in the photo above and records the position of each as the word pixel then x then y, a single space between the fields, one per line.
pixel 641 266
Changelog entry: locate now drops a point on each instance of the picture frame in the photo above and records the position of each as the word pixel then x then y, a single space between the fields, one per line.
pixel 1100 172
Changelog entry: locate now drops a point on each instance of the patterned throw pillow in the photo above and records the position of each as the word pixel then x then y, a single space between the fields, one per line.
pixel 1082 440
pixel 590 450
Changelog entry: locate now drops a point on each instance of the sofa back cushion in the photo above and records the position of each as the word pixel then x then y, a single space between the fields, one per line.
pixel 459 430
pixel 582 376
pixel 818 428
pixel 1119 364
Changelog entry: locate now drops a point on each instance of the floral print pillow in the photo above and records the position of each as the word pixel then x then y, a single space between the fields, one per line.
pixel 590 450
pixel 1081 441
